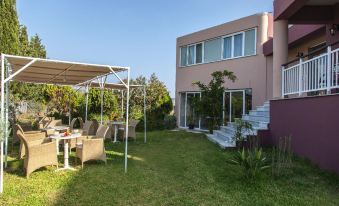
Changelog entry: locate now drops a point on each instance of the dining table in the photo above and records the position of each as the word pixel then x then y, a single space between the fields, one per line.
pixel 66 138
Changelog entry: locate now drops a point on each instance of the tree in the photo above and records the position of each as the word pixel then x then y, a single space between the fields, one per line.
pixel 210 103
pixel 24 45
pixel 36 47
pixel 110 103
pixel 9 27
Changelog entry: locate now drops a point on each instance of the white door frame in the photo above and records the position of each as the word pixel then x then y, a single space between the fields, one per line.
pixel 185 108
pixel 230 103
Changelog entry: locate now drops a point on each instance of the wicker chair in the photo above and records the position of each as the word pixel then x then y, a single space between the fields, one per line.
pixel 90 128
pixel 93 148
pixel 131 130
pixel 52 123
pixel 37 155
pixel 33 137
pixel 81 122
pixel 71 126
pixel 110 132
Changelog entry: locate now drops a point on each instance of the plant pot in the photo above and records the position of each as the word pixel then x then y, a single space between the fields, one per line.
pixel 191 126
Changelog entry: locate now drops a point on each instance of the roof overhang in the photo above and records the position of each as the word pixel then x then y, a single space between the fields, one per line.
pixel 306 11
pixel 48 71
pixel 296 34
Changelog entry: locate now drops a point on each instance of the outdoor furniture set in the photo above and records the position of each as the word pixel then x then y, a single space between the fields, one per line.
pixel 40 148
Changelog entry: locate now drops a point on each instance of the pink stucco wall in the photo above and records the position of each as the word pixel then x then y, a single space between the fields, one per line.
pixel 252 72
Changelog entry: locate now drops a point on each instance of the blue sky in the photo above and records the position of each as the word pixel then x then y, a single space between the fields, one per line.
pixel 135 33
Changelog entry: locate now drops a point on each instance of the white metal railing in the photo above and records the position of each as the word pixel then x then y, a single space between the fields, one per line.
pixel 316 74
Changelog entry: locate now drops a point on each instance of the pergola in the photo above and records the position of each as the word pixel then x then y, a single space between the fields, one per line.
pixel 48 71
pixel 119 87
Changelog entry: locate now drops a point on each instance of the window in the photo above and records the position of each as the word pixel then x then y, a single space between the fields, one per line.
pixel 191 55
pixel 183 56
pixel 198 58
pixel 227 47
pixel 250 42
pixel 212 50
pixel 238 45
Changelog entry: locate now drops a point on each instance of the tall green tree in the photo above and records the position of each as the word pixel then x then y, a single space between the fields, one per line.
pixel 158 101
pixel 24 45
pixel 9 27
pixel 210 105
pixel 36 47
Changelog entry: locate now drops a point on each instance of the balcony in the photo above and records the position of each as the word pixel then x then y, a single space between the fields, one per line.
pixel 317 75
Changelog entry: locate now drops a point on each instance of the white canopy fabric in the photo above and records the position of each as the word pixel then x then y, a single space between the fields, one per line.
pixel 37 70
pixel 48 71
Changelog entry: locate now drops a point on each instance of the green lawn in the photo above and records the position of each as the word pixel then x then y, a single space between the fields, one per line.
pixel 173 168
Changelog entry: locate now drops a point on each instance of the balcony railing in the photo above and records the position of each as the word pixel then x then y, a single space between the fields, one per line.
pixel 320 73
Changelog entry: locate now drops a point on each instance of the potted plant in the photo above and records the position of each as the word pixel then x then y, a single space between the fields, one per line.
pixel 191 122
pixel 242 128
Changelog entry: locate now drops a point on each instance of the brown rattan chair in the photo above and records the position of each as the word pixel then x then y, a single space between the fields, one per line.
pixel 131 130
pixel 93 148
pixel 33 137
pixel 38 155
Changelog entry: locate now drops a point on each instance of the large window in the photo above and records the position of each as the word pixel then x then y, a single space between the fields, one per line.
pixel 250 41
pixel 238 39
pixel 240 44
pixel 212 50
pixel 192 54
pixel 199 53
pixel 235 45
pixel 183 56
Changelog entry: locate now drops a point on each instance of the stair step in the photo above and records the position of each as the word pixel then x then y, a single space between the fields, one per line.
pixel 220 142
pixel 259 119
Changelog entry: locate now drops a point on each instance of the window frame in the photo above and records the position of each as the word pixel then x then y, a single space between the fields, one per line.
pixel 243 44
pixel 195 53
pixel 243 32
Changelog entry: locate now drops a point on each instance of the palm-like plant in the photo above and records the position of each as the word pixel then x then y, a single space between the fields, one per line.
pixel 253 162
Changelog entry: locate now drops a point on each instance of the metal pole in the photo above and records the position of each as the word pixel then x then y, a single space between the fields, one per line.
pixel 126 128
pixel 2 118
pixel 86 102
pixel 69 110
pixel 329 71
pixel 223 108
pixel 102 101
pixel 6 116
pixel 300 76
pixel 102 86
pixel 122 103
pixel 145 125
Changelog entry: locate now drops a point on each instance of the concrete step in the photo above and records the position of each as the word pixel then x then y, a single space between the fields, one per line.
pixel 223 144
pixel 257 118
pixel 260 113
pixel 222 135
pixel 263 108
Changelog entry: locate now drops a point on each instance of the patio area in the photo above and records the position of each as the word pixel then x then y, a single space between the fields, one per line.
pixel 173 168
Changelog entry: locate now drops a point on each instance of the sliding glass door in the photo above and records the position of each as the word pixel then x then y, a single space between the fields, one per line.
pixel 187 112
pixel 236 103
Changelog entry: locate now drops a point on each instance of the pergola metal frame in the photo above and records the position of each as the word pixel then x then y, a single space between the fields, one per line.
pixel 120 87
pixel 7 76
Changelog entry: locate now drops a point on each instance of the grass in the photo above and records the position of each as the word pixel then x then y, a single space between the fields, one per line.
pixel 173 168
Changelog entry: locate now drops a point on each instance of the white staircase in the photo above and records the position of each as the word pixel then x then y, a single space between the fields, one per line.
pixel 259 119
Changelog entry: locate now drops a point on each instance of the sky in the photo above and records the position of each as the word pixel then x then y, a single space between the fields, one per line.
pixel 140 34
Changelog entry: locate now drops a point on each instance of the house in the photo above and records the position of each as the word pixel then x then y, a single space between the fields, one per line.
pixel 236 46
pixel 287 83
